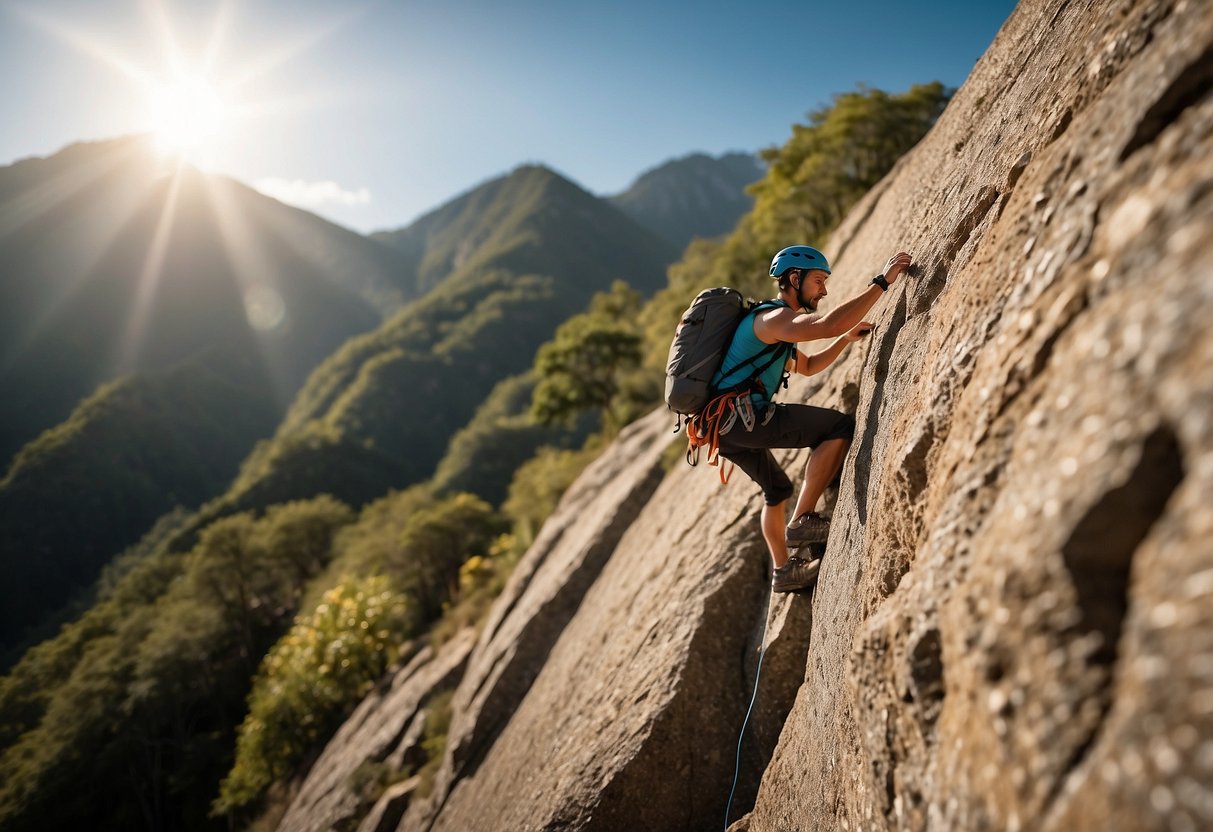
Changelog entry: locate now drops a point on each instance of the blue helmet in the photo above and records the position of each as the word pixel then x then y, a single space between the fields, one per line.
pixel 798 257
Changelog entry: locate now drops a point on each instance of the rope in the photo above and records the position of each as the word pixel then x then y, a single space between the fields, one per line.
pixel 766 620
pixel 705 427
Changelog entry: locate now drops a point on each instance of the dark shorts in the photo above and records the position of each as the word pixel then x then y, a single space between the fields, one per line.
pixel 792 426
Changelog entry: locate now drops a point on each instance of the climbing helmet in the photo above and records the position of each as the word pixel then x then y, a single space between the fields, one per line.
pixel 798 257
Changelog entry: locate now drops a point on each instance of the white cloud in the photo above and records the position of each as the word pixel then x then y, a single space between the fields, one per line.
pixel 311 194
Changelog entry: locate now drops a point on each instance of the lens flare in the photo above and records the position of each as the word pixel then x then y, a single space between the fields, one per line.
pixel 264 307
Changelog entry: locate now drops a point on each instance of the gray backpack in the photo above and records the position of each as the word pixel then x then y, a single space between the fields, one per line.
pixel 700 344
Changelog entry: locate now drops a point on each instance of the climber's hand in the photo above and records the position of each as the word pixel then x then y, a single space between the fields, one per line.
pixel 860 330
pixel 897 264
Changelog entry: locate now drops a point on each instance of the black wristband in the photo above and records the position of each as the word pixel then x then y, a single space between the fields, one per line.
pixel 880 281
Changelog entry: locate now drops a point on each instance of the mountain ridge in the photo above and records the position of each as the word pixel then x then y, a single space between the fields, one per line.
pixel 497 293
pixel 696 195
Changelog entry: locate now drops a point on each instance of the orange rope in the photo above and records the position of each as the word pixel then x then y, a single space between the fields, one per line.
pixel 704 429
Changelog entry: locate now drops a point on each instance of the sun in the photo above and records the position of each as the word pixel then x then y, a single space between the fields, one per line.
pixel 187 116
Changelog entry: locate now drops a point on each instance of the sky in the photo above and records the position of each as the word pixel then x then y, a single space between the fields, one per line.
pixel 372 113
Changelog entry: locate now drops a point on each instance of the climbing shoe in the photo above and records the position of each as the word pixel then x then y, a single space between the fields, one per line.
pixel 796 574
pixel 809 527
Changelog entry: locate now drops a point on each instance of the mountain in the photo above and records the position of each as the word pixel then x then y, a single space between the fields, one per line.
pixel 91 486
pixel 523 253
pixel 154 323
pixel 695 196
pixel 117 261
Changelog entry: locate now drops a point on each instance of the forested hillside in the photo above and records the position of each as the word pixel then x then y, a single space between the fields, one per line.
pixel 93 485
pixel 116 261
pixel 398 394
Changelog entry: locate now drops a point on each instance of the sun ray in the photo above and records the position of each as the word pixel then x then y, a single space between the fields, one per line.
pixel 271 59
pixel 264 306
pixel 285 104
pixel 86 44
pixel 149 276
pixel 192 77
pixel 165 37
pixel 219 29
pixel 90 242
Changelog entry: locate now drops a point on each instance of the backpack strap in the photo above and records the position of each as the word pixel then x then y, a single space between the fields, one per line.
pixel 772 352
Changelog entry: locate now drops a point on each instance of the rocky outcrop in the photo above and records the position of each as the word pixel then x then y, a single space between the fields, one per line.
pixel 1011 629
pixel 632 714
pixel 384 732
pixel 544 593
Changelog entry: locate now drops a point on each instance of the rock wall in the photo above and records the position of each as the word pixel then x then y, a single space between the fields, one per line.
pixel 1011 628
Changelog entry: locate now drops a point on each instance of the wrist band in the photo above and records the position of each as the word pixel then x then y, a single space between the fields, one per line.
pixel 879 280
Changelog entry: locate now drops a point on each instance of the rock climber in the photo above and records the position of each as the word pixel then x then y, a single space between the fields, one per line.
pixel 801 273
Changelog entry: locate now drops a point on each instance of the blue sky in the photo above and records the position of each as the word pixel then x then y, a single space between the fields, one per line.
pixel 371 114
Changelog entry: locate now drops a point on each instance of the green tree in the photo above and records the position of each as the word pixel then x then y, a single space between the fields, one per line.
pixel 309 680
pixel 140 698
pixel 433 545
pixel 538 485
pixel 579 368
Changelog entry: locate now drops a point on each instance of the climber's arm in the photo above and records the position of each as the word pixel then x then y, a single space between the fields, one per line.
pixel 808 364
pixel 793 327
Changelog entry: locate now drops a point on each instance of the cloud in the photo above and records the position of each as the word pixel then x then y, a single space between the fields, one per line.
pixel 311 194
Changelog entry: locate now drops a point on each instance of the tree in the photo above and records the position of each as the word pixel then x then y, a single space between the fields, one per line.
pixel 433 545
pixel 538 485
pixel 579 368
pixel 309 680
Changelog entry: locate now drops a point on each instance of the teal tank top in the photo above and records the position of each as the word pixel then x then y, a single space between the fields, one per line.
pixel 744 345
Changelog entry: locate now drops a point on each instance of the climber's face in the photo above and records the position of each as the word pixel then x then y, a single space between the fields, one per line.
pixel 813 287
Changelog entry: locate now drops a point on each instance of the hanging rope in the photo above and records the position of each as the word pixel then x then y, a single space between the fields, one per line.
pixel 762 651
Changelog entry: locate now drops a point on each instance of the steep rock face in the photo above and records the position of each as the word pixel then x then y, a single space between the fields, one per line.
pixel 544 593
pixel 1011 628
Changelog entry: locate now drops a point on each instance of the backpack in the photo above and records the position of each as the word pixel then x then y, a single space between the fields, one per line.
pixel 700 344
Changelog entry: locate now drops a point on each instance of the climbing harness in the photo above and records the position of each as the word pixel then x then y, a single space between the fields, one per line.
pixel 717 419
pixel 762 651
